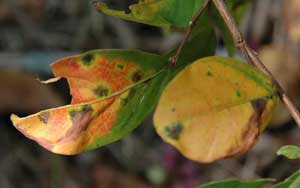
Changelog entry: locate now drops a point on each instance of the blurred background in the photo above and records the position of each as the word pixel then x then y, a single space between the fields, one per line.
pixel 34 33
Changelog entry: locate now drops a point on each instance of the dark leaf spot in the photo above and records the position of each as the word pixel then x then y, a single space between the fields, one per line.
pixel 209 73
pixel 173 109
pixel 87 108
pixel 73 114
pixel 137 76
pixel 259 105
pixel 123 101
pixel 76 114
pixel 44 117
pixel 120 66
pixel 87 59
pixel 174 130
pixel 238 93
pixel 101 91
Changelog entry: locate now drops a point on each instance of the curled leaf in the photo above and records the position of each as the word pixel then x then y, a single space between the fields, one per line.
pixel 291 152
pixel 161 13
pixel 110 97
pixel 215 108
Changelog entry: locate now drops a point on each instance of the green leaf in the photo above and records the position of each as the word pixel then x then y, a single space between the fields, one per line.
pixel 290 152
pixel 291 182
pixel 193 49
pixel 161 13
pixel 235 183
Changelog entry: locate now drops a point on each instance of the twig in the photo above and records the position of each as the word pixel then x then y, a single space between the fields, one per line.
pixel 188 33
pixel 253 58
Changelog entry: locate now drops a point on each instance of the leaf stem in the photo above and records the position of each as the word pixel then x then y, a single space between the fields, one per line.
pixel 252 57
pixel 187 35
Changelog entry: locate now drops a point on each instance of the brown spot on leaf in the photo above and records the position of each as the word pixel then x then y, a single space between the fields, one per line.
pixel 120 66
pixel 259 105
pixel 101 91
pixel 73 113
pixel 44 117
pixel 209 73
pixel 174 130
pixel 87 108
pixel 137 76
pixel 78 113
pixel 87 59
pixel 249 137
pixel 81 119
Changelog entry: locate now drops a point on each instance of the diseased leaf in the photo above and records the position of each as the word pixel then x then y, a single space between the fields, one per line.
pixel 235 183
pixel 109 99
pixel 215 108
pixel 291 152
pixel 161 13
pixel 138 103
pixel 100 112
pixel 288 182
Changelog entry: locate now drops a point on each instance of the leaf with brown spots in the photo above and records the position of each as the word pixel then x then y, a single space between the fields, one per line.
pixel 161 13
pixel 215 108
pixel 113 91
pixel 110 97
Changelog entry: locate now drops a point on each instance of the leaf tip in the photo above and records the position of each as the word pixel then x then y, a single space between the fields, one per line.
pixel 49 81
pixel 15 119
pixel 99 5
pixel 289 151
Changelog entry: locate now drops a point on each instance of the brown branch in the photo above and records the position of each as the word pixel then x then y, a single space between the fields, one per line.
pixel 192 24
pixel 253 58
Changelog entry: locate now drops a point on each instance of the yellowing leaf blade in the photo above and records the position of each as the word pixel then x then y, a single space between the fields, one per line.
pixel 215 108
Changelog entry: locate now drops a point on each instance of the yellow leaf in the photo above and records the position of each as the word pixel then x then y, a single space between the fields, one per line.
pixel 215 108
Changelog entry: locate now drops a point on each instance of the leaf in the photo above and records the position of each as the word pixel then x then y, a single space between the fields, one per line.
pixel 235 183
pixel 137 103
pixel 161 13
pixel 288 182
pixel 110 97
pixel 194 47
pixel 140 103
pixel 215 108
pixel 290 152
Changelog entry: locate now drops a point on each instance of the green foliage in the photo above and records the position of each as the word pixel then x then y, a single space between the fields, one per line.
pixel 291 182
pixel 161 13
pixel 235 183
pixel 290 152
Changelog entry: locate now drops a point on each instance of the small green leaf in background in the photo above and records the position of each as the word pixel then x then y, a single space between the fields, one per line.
pixel 161 13
pixel 235 183
pixel 290 152
pixel 291 182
